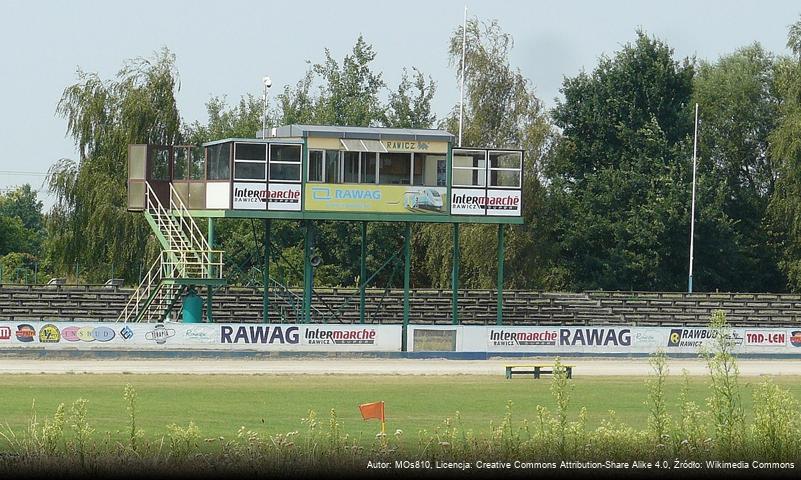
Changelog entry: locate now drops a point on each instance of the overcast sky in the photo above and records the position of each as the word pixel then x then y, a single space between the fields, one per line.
pixel 224 48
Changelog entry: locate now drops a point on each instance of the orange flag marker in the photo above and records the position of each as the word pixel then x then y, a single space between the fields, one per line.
pixel 373 410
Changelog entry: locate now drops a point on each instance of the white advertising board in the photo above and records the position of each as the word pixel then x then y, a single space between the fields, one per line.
pixel 284 196
pixel 504 203
pixel 468 201
pixel 200 336
pixel 606 339
pixel 250 196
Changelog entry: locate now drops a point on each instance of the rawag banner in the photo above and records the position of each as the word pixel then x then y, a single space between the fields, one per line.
pixel 188 336
pixel 602 339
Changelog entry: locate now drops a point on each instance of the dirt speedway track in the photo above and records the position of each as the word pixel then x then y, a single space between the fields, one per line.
pixel 375 366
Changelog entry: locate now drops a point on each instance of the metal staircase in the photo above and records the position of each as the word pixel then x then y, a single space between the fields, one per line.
pixel 186 260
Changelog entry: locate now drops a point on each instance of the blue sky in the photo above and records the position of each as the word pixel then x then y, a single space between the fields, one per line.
pixel 225 48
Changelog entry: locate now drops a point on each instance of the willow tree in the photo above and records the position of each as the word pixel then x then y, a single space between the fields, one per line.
pixel 90 225
pixel 501 110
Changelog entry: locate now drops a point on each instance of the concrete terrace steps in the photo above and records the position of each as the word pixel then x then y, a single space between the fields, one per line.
pixel 428 306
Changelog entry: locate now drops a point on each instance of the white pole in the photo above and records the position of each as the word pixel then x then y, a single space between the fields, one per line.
pixel 461 95
pixel 267 84
pixel 692 211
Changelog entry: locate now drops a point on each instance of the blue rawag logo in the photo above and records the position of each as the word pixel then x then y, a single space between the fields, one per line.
pixel 259 334
pixel 595 336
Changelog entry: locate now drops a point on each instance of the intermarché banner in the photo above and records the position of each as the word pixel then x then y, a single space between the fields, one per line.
pixel 199 336
pixel 606 339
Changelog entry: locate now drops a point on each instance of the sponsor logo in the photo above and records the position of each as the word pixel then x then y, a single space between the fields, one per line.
pixel 70 334
pixel 103 334
pixel 199 334
pixel 765 339
pixel 644 338
pixel 5 333
pixel 340 337
pixel 25 333
pixel 595 337
pixel 250 194
pixel 126 333
pixel 795 338
pixel 87 334
pixel 49 334
pixel 501 338
pixel 259 334
pixel 695 337
pixel 160 334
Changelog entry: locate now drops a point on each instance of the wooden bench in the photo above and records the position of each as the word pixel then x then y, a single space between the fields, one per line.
pixel 536 370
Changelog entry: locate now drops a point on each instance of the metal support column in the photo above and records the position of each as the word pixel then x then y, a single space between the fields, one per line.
pixel 455 277
pixel 362 271
pixel 407 270
pixel 501 234
pixel 265 312
pixel 308 281
pixel 209 316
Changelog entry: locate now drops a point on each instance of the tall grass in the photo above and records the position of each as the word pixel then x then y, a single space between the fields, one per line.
pixel 718 429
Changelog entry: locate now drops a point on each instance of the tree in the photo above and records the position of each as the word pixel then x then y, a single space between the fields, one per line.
pixel 501 110
pixel 785 205
pixel 738 110
pixel 619 176
pixel 90 224
pixel 21 221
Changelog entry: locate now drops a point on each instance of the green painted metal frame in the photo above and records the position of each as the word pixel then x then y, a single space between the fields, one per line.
pixel 501 241
pixel 355 217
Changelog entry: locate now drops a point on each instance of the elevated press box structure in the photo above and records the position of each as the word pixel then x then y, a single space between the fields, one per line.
pixel 335 173
pixel 309 173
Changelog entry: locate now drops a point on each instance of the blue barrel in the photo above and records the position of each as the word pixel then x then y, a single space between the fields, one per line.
pixel 193 307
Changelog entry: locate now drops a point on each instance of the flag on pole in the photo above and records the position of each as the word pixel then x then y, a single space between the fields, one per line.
pixel 373 410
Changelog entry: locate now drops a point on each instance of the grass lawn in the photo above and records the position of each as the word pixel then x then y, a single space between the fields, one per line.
pixel 220 404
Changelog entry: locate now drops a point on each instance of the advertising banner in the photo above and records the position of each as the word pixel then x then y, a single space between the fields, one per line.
pixel 369 198
pixel 250 196
pixel 284 197
pixel 549 340
pixel 200 336
pixel 479 201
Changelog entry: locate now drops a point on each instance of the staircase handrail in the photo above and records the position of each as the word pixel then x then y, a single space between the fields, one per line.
pixel 152 278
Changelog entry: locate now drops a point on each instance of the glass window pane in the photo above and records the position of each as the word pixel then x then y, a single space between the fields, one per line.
pixel 368 167
pixel 429 170
pixel 219 164
pixel 395 169
pixel 505 178
pixel 180 170
pixel 316 166
pixel 331 166
pixel 284 171
pixel 505 159
pixel 251 151
pixel 249 170
pixel 469 177
pixel 351 167
pixel 469 158
pixel 285 153
pixel 160 166
pixel 197 163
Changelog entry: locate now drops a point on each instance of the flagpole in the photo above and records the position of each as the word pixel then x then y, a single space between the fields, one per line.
pixel 461 94
pixel 692 211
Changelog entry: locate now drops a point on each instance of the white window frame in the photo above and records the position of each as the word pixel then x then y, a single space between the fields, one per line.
pixel 472 169
pixel 263 162
pixel 518 170
pixel 299 163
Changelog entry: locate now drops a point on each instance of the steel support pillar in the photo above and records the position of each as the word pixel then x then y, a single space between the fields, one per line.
pixel 407 270
pixel 501 239
pixel 308 281
pixel 211 240
pixel 362 271
pixel 265 271
pixel 455 276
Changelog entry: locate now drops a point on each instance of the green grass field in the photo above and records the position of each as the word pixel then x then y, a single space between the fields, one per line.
pixel 220 404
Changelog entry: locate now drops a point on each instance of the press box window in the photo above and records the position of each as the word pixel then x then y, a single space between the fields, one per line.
pixel 469 168
pixel 395 169
pixel 160 164
pixel 505 169
pixel 218 166
pixel 429 170
pixel 285 162
pixel 250 161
